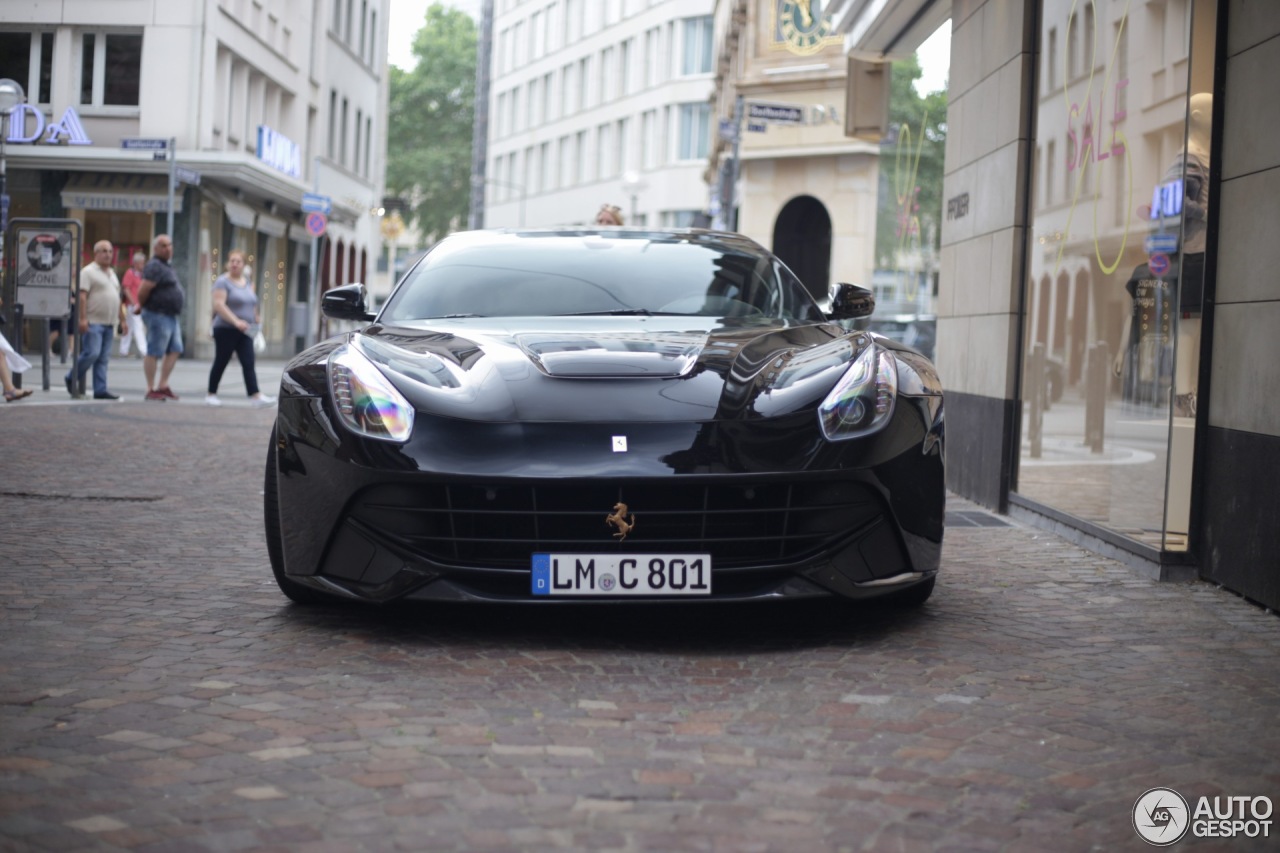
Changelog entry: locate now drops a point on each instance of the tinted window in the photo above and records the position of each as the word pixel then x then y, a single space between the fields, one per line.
pixel 551 274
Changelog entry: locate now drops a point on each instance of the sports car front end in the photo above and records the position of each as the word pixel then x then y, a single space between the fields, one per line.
pixel 720 440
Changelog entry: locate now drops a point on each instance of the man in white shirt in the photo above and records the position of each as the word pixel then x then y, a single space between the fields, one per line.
pixel 101 313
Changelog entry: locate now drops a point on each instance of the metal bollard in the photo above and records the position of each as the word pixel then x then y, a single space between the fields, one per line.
pixel 1097 367
pixel 1036 395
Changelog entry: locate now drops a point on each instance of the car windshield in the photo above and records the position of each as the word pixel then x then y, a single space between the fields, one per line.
pixel 560 273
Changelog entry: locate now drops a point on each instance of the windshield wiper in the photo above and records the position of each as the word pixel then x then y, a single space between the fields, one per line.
pixel 458 316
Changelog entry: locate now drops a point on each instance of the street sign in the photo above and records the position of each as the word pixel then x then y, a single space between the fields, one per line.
pixel 187 176
pixel 316 223
pixel 728 130
pixel 316 203
pixel 1166 243
pixel 45 267
pixel 757 127
pixel 779 113
pixel 145 144
pixel 1158 264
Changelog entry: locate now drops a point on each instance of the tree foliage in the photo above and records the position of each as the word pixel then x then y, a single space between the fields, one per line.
pixel 911 168
pixel 430 125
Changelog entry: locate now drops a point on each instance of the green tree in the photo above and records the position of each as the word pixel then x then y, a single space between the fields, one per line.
pixel 909 214
pixel 430 123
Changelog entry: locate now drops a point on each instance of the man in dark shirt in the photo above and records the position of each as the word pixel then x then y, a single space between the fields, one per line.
pixel 160 300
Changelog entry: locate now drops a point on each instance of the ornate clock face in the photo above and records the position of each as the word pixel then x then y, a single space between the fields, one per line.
pixel 804 25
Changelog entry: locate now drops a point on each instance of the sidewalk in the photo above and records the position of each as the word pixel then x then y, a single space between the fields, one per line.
pixel 190 380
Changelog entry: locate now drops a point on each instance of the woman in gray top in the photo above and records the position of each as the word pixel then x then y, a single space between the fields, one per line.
pixel 235 322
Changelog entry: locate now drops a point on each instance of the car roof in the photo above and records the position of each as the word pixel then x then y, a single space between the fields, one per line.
pixel 723 240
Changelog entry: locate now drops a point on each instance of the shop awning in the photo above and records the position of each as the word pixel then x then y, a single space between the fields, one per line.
pixel 886 29
pixel 271 225
pixel 119 192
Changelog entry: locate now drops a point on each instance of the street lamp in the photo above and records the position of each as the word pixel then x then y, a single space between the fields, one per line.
pixel 633 184
pixel 11 94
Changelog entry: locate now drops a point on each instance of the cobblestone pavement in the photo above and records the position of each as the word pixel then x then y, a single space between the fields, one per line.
pixel 158 693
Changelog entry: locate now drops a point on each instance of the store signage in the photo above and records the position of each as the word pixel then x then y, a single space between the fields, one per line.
pixel 958 207
pixel 279 152
pixel 68 129
pixel 1167 199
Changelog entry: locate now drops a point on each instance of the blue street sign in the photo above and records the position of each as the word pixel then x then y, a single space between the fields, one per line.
pixel 780 113
pixel 145 144
pixel 1161 243
pixel 316 203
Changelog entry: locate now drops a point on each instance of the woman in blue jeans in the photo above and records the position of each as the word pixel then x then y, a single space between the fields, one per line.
pixel 235 320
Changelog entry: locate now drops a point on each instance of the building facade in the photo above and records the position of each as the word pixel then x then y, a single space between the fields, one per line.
pixel 788 176
pixel 1109 187
pixel 248 104
pixel 597 102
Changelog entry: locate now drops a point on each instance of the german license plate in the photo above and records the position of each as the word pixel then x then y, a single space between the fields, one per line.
pixel 621 575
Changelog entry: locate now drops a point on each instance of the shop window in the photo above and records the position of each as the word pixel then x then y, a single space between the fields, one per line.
pixel 1115 272
pixel 110 69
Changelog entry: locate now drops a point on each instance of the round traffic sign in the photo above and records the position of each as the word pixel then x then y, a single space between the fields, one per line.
pixel 316 223
pixel 1158 263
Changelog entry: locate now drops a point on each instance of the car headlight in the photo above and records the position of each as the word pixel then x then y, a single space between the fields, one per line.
pixel 862 401
pixel 366 401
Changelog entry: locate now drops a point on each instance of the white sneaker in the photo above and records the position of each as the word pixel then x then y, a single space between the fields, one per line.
pixel 262 401
pixel 212 400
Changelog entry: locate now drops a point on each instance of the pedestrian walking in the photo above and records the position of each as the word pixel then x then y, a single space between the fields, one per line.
pixel 160 300
pixel 135 332
pixel 11 363
pixel 100 313
pixel 236 320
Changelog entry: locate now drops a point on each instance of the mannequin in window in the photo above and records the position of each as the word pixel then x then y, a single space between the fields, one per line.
pixel 1193 170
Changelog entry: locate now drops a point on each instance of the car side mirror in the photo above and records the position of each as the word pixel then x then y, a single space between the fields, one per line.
pixel 348 302
pixel 851 301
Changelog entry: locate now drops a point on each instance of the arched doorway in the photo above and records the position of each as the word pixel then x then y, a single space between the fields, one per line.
pixel 802 239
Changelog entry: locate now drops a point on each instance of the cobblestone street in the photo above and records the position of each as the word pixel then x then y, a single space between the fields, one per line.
pixel 158 693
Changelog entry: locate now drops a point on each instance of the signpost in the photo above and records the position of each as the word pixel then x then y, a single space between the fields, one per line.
pixel 777 113
pixel 317 207
pixel 316 223
pixel 46 254
pixel 1161 243
pixel 187 176
pixel 314 202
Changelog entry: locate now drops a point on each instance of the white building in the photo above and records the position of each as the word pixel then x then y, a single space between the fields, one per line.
pixel 262 101
pixel 599 101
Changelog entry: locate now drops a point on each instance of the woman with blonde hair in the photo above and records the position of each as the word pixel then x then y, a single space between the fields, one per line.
pixel 235 322
pixel 610 214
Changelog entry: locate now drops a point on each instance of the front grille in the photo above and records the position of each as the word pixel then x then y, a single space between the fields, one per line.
pixel 501 525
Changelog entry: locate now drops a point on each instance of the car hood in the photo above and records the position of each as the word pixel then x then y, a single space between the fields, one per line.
pixel 608 369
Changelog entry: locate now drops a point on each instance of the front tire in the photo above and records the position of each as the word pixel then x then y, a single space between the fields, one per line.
pixel 271 522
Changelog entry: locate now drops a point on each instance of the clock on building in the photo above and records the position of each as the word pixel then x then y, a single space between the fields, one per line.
pixel 803 25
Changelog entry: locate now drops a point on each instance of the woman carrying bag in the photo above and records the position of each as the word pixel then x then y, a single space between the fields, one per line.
pixel 236 324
